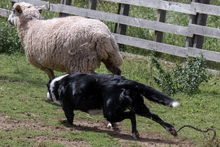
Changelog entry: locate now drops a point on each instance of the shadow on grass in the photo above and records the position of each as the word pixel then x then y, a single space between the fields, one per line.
pixel 123 135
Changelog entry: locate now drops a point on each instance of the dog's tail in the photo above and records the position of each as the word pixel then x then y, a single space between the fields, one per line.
pixel 155 96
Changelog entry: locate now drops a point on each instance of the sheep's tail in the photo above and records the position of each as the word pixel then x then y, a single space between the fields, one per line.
pixel 153 95
pixel 108 50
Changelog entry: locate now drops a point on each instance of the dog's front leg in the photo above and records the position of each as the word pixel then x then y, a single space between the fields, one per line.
pixel 68 110
pixel 135 133
pixel 125 115
pixel 113 126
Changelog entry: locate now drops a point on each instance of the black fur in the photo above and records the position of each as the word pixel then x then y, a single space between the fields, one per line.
pixel 113 94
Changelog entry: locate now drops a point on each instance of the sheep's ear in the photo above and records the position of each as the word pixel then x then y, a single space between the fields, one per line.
pixel 18 9
pixel 39 7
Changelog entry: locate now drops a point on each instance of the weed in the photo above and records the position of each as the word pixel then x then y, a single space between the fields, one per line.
pixel 189 77
pixel 9 41
pixel 182 78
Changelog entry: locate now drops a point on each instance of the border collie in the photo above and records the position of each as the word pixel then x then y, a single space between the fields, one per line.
pixel 111 94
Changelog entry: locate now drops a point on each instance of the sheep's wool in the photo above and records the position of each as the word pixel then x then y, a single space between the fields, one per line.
pixel 69 44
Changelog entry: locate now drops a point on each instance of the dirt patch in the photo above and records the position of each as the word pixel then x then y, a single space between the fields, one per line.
pixel 147 139
pixel 11 125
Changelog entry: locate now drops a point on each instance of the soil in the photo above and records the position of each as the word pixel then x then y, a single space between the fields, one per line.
pixel 146 139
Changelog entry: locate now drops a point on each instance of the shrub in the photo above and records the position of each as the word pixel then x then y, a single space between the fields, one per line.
pixel 182 78
pixel 9 40
pixel 164 81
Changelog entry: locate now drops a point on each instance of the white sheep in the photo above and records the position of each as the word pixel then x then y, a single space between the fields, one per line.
pixel 70 44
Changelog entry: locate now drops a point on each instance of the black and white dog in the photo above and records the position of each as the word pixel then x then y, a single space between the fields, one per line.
pixel 111 94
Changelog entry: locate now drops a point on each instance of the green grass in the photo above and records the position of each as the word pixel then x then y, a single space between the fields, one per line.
pixel 23 87
pixel 23 94
pixel 94 138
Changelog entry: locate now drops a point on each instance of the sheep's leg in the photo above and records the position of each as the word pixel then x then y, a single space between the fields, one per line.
pixel 115 70
pixel 49 72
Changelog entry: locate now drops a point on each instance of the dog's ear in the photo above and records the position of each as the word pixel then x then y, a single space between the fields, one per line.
pixel 48 84
pixel 18 9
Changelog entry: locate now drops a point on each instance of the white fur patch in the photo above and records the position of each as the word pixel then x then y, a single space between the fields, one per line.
pixel 109 101
pixel 175 104
pixel 95 112
pixel 48 95
pixel 110 125
pixel 52 86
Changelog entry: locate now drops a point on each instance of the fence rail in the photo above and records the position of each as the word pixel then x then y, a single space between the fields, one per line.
pixel 4 13
pixel 159 4
pixel 189 31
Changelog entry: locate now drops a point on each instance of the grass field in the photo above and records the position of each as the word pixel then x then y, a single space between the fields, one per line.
pixel 23 98
pixel 27 119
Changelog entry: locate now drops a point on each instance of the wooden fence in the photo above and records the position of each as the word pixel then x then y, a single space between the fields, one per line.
pixel 192 32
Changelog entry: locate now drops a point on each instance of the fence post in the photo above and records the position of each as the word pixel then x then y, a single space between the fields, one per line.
pixel 64 2
pixel 124 10
pixel 92 4
pixel 116 24
pixel 200 19
pixel 158 37
pixel 192 20
pixel 12 3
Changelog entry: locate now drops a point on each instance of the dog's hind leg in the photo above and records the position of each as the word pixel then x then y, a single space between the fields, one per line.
pixel 143 110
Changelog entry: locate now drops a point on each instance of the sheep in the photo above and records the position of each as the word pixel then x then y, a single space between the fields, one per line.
pixel 70 44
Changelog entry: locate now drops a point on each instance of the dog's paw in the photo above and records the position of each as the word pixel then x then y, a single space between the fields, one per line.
pixel 109 126
pixel 173 131
pixel 113 126
pixel 65 121
pixel 136 135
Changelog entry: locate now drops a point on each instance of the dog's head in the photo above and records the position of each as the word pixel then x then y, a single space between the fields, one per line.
pixel 53 92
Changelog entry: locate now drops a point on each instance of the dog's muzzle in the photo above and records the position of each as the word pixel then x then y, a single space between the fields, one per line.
pixel 48 96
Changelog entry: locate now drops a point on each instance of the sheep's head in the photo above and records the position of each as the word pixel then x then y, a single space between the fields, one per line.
pixel 24 12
